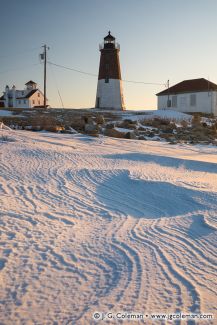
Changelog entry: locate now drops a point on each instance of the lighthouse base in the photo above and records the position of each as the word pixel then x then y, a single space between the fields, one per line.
pixel 110 94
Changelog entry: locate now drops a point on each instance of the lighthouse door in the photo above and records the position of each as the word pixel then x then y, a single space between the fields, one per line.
pixel 98 102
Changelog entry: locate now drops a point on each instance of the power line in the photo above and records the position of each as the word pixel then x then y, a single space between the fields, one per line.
pixel 95 75
pixel 145 83
pixel 72 69
pixel 55 81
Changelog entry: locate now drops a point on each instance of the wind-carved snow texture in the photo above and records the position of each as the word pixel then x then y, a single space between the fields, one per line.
pixel 99 224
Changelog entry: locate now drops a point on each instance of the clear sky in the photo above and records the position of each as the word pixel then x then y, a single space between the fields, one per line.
pixel 159 39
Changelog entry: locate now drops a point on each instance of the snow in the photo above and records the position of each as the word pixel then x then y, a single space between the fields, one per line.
pixel 103 224
pixel 123 130
pixel 170 114
pixel 5 113
pixel 165 114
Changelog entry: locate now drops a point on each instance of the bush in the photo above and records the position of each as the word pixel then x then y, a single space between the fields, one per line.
pixel 184 123
pixel 196 120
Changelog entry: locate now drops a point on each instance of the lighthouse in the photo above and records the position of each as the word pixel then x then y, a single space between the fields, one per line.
pixel 109 89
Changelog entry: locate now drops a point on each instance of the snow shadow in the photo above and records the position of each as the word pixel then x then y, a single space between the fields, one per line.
pixel 167 161
pixel 149 199
pixel 199 228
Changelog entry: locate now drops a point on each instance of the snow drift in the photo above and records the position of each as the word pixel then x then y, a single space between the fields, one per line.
pixel 105 224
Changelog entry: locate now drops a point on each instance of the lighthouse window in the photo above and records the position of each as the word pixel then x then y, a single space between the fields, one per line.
pixel 107 80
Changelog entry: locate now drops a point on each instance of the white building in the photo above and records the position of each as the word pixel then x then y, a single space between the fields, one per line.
pixel 190 96
pixel 29 97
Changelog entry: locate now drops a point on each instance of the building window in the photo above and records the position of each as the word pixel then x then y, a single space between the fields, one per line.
pixel 19 102
pixel 169 103
pixel 183 102
pixel 193 100
pixel 38 94
pixel 38 102
pixel 33 102
pixel 22 93
pixel 174 101
pixel 24 101
pixel 106 80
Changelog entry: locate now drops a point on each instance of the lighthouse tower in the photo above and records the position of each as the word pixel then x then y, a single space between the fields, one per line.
pixel 109 89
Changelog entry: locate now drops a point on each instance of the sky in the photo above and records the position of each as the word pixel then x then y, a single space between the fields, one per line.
pixel 159 40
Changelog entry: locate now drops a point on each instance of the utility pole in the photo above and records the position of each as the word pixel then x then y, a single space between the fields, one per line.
pixel 45 76
pixel 168 99
pixel 44 57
